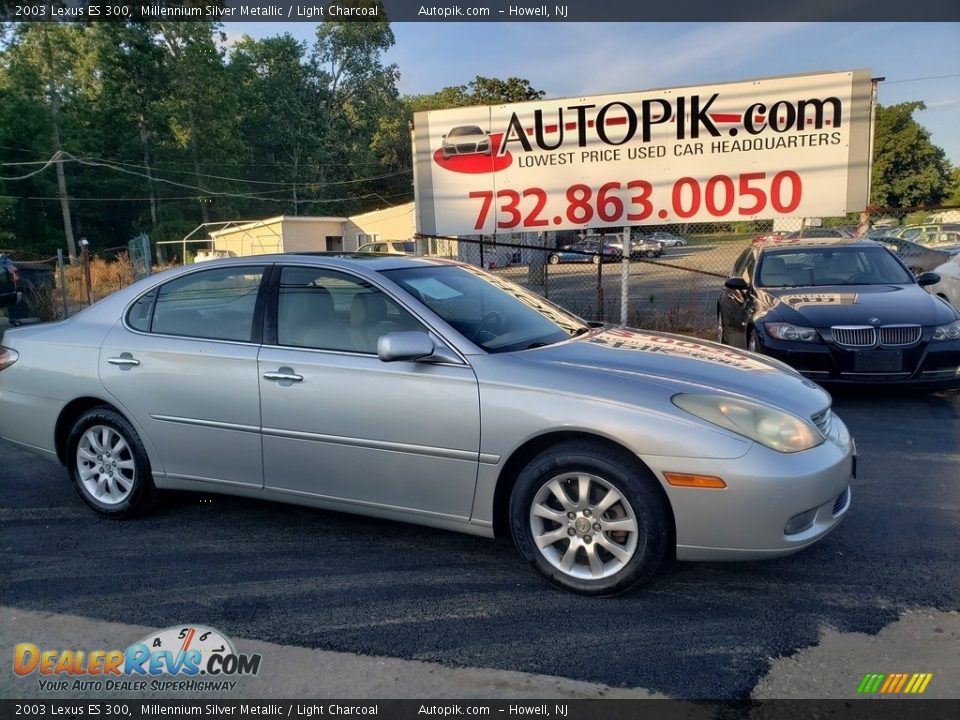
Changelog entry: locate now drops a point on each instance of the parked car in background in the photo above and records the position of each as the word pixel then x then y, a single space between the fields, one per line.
pixel 10 289
pixel 844 311
pixel 640 247
pixel 919 258
pixel 929 234
pixel 818 232
pixel 948 286
pixel 668 239
pixel 591 249
pixel 390 247
pixel 601 451
pixel 878 233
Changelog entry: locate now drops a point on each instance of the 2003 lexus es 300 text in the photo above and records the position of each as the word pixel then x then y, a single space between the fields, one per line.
pixel 429 391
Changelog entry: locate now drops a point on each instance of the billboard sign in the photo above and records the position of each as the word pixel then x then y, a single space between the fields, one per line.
pixel 795 146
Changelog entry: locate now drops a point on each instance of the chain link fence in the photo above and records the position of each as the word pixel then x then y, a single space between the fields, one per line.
pixel 52 288
pixel 669 281
pixel 674 274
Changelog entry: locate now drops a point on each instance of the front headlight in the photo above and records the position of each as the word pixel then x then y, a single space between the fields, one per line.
pixel 947 332
pixel 776 429
pixel 786 331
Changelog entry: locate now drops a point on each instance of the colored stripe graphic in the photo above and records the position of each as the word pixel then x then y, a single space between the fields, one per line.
pixel 894 683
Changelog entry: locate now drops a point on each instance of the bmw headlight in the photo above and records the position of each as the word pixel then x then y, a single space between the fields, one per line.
pixel 786 331
pixel 776 429
pixel 947 332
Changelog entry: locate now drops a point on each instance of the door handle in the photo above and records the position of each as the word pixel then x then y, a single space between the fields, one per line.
pixel 124 360
pixel 288 376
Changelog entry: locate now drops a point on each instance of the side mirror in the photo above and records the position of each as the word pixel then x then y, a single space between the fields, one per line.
pixel 928 278
pixel 736 283
pixel 413 346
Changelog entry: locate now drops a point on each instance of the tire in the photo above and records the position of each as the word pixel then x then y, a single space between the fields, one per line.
pixel 753 342
pixel 595 259
pixel 116 482
pixel 604 561
pixel 650 253
pixel 721 336
pixel 553 259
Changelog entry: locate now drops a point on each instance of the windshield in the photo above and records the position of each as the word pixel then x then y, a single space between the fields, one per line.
pixel 859 265
pixel 491 312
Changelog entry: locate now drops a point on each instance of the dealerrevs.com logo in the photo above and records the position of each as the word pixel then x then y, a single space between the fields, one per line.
pixel 181 658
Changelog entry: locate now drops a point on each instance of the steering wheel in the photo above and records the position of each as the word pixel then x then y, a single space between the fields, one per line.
pixel 489 323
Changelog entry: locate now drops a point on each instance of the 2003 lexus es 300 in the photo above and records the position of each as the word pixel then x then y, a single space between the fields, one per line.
pixel 432 392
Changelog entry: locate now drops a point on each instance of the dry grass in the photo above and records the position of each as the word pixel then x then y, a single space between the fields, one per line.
pixel 105 278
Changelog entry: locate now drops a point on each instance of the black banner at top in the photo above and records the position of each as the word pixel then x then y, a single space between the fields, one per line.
pixel 285 11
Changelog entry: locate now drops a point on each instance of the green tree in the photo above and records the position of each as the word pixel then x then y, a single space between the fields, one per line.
pixel 954 197
pixel 908 169
pixel 357 91
pixel 281 102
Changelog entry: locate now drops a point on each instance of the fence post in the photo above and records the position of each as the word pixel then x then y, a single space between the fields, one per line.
pixel 86 270
pixel 63 284
pixel 600 312
pixel 147 263
pixel 625 276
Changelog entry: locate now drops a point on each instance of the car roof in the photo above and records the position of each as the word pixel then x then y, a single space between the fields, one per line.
pixel 799 243
pixel 346 260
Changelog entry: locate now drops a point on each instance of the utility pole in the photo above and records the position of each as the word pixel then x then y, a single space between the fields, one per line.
pixel 58 151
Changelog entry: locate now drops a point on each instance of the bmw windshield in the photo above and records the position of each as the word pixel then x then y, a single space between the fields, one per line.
pixel 817 266
pixel 491 312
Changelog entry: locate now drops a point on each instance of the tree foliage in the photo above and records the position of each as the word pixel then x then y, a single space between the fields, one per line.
pixel 908 169
pixel 163 126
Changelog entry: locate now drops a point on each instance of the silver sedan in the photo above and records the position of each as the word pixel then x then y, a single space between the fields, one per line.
pixel 432 392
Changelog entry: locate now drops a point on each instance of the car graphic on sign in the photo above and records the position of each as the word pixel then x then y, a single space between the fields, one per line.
pixel 466 140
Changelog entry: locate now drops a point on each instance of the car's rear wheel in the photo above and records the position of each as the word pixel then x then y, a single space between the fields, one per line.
pixel 108 464
pixel 589 518
pixel 553 259
pixel 650 253
pixel 595 259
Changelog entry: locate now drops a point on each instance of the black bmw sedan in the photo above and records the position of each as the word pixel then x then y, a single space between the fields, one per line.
pixel 840 311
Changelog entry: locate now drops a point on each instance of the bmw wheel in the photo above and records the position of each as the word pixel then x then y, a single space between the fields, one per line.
pixel 553 259
pixel 108 464
pixel 589 518
pixel 721 336
pixel 753 342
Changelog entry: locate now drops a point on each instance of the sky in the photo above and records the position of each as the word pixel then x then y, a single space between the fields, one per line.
pixel 920 61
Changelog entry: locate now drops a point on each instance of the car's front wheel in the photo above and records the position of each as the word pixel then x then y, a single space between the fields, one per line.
pixel 589 518
pixel 108 464
pixel 553 259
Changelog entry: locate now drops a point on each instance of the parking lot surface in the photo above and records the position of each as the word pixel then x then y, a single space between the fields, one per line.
pixel 323 580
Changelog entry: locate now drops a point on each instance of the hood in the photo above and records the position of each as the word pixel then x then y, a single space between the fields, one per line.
pixel 857 305
pixel 688 365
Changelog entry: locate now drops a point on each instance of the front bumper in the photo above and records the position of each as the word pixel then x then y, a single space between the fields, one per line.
pixel 765 489
pixel 927 363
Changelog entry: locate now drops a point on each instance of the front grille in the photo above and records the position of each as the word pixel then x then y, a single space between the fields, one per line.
pixel 899 334
pixel 823 420
pixel 841 501
pixel 466 147
pixel 854 335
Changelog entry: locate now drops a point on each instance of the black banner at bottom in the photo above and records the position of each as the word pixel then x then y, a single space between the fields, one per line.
pixel 147 709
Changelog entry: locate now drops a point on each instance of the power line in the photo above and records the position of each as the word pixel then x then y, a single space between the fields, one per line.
pixel 929 77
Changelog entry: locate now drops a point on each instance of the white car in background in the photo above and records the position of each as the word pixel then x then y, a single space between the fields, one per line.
pixel 949 286
pixel 390 247
pixel 668 239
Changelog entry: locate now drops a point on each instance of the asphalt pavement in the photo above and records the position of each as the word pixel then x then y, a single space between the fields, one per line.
pixel 322 580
